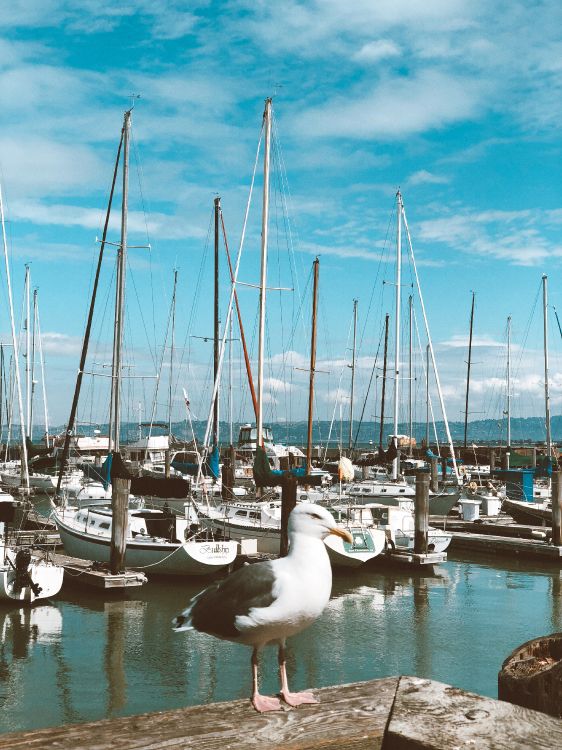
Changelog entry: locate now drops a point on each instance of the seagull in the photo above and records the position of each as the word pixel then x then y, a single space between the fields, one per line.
pixel 266 602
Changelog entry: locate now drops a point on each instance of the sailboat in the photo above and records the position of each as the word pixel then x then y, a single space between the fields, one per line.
pixel 394 490
pixel 262 520
pixel 152 540
pixel 25 574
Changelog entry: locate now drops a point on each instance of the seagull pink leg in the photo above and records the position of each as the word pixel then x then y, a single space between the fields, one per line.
pixel 261 703
pixel 293 699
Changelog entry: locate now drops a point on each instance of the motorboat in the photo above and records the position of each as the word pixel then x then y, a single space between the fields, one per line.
pixel 26 574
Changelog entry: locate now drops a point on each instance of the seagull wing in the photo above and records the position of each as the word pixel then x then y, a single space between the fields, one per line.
pixel 215 610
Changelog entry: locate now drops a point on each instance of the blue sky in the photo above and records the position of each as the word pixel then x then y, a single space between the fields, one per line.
pixel 457 103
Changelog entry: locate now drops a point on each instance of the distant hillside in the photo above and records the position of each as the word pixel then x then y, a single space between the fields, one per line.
pixel 529 430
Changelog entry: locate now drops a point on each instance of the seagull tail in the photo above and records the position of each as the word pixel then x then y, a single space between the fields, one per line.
pixel 183 620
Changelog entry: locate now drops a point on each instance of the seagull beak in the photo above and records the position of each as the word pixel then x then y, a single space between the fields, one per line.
pixel 344 533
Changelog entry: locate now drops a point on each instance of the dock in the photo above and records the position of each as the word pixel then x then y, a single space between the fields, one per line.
pixel 408 558
pixel 498 538
pixel 394 713
pixel 95 575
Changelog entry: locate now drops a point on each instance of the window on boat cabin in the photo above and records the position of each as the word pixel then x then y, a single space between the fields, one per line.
pixel 243 513
pixel 254 514
pixel 104 525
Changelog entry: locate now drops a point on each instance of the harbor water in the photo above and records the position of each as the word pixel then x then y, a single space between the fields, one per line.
pixel 83 656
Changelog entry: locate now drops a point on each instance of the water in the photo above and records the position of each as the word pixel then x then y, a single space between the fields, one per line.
pixel 83 657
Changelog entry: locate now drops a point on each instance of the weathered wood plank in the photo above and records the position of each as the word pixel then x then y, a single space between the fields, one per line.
pixel 349 717
pixel 81 572
pixel 506 545
pixel 434 716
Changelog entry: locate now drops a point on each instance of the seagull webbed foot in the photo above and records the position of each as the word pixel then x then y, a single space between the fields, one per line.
pixel 263 703
pixel 298 699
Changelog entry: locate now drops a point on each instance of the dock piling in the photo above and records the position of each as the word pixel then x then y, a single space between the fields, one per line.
pixel 421 513
pixel 557 508
pixel 434 474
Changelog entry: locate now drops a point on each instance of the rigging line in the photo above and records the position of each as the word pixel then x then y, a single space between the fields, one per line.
pixel 436 373
pixel 384 250
pixel 159 371
pixel 285 191
pixel 240 325
pixel 140 177
pixel 425 375
pixel 187 342
pixel 367 394
pixel 337 400
pixel 131 276
pixel 229 310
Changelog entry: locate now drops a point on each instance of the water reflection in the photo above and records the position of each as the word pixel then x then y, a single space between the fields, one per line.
pixel 91 656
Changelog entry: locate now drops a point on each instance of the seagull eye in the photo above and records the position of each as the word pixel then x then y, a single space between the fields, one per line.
pixel 315 515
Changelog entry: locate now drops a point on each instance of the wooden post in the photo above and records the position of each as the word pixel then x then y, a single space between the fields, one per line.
pixel 167 463
pixel 434 476
pixel 505 460
pixel 534 458
pixel 364 472
pixel 288 502
pixel 444 468
pixel 421 513
pixel 227 479
pixel 557 508
pixel 492 460
pixel 120 507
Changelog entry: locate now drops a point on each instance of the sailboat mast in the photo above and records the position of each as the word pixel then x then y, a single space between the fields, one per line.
pixel 263 275
pixel 352 392
pixel 468 372
pixel 33 336
pixel 508 405
pixel 410 375
pixel 216 323
pixel 427 396
pixel 171 380
pixel 120 291
pixel 546 393
pixel 27 352
pixel 395 463
pixel 14 344
pixel 316 265
pixel 381 432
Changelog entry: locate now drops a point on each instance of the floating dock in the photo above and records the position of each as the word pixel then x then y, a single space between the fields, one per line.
pixel 88 573
pixel 493 536
pixel 395 713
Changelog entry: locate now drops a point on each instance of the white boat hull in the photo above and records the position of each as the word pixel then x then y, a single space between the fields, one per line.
pixel 43 573
pixel 367 544
pixel 190 558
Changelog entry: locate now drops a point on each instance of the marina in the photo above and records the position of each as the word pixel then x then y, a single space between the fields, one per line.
pixel 455 626
pixel 280 375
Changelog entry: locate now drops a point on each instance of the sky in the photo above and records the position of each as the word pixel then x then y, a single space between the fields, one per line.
pixel 457 104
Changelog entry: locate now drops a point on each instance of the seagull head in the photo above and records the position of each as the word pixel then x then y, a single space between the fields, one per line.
pixel 315 521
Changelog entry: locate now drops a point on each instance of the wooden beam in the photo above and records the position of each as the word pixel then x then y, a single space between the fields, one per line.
pixel 349 717
pixel 429 715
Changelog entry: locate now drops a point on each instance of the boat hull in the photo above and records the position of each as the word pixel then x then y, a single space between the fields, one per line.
pixel 43 573
pixel 190 558
pixel 367 544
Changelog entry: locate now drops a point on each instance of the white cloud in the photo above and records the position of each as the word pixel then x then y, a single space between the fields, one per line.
pixel 424 177
pixel 373 52
pixel 397 107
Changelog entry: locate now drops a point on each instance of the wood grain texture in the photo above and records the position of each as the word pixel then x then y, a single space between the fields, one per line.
pixel 434 716
pixel 349 717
